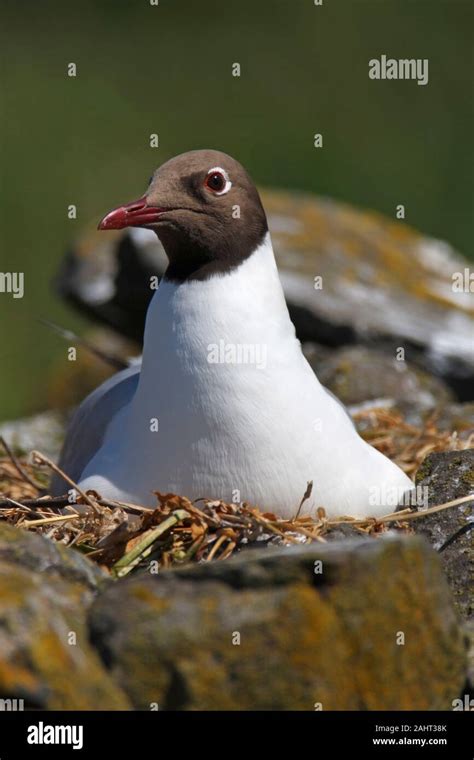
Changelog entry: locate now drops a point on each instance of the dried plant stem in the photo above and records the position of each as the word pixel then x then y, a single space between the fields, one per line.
pixel 11 502
pixel 41 459
pixel 207 518
pixel 216 546
pixel 42 501
pixel 308 533
pixel 124 564
pixel 195 546
pixel 404 515
pixel 18 466
pixel 429 511
pixel 306 495
pixel 123 505
pixel 45 520
pixel 228 550
pixel 267 524
pixel 58 502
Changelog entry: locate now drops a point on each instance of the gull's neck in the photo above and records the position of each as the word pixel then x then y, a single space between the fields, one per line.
pixel 245 305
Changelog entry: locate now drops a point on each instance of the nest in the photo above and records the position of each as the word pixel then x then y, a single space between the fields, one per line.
pixel 121 537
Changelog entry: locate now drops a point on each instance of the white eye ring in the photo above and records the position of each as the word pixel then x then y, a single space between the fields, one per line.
pixel 228 183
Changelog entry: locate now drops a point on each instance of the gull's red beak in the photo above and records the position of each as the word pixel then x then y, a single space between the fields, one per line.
pixel 135 214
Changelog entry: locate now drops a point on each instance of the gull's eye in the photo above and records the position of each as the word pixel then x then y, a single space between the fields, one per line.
pixel 150 180
pixel 217 181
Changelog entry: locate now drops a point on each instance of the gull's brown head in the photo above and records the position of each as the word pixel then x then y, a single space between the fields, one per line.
pixel 206 211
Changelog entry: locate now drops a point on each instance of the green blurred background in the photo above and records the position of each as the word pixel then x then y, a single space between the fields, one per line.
pixel 167 69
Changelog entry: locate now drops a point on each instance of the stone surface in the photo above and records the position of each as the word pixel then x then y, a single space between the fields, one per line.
pixel 381 281
pixel 45 590
pixel 43 431
pixel 449 417
pixel 37 553
pixel 107 277
pixel 305 637
pixel 469 632
pixel 447 476
pixel 457 417
pixel 358 373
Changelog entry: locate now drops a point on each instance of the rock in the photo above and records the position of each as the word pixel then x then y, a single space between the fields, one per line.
pixel 447 417
pixel 45 590
pixel 447 476
pixel 267 630
pixel 107 277
pixel 43 431
pixel 41 555
pixel 382 282
pixel 469 631
pixel 458 417
pixel 358 373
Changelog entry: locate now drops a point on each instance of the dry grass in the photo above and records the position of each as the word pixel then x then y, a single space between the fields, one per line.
pixel 406 444
pixel 121 536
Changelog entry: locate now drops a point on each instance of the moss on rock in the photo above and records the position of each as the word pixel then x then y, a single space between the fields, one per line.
pixel 269 631
pixel 45 655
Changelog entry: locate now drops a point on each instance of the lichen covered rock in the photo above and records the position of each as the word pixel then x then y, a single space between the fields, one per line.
pixel 32 551
pixel 447 476
pixel 357 374
pixel 45 655
pixel 351 625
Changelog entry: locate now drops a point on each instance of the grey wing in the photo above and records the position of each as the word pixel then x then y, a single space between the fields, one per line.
pixel 87 428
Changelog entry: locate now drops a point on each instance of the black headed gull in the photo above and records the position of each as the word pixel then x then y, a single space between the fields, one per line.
pixel 224 404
